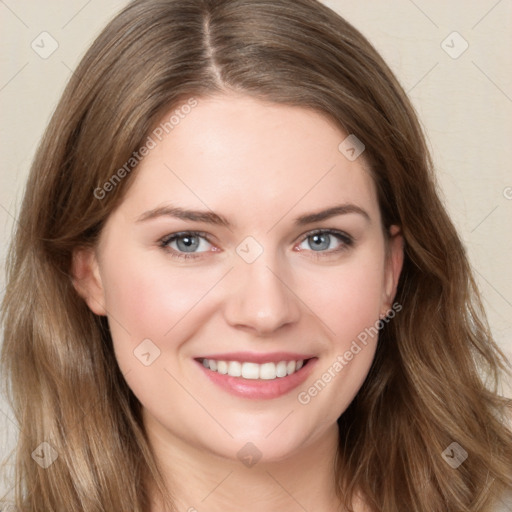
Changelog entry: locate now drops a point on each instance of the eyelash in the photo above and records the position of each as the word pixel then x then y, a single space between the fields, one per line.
pixel 346 240
pixel 166 240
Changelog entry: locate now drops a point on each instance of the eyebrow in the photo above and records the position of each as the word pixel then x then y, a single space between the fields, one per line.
pixel 211 217
pixel 341 209
pixel 180 213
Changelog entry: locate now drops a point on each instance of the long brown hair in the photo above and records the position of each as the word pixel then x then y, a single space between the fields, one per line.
pixel 435 375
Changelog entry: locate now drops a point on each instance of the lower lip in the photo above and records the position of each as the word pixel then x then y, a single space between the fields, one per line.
pixel 259 389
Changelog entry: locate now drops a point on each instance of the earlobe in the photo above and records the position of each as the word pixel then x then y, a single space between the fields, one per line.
pixel 87 281
pixel 394 263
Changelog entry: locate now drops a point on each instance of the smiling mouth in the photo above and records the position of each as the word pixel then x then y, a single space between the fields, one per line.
pixel 254 371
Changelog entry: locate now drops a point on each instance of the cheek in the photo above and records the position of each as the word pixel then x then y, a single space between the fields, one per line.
pixel 152 299
pixel 347 302
pixel 347 298
pixel 163 304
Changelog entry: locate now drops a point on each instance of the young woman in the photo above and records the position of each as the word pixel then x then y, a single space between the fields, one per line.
pixel 233 286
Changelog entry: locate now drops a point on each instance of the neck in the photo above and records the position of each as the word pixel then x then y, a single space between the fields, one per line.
pixel 204 481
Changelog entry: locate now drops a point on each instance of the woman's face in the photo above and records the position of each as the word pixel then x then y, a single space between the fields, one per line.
pixel 248 243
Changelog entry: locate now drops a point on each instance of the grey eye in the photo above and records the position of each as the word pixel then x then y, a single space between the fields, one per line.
pixel 187 243
pixel 326 241
pixel 319 241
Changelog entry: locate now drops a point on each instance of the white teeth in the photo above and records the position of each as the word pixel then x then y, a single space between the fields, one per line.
pixel 222 367
pixel 281 369
pixel 234 368
pixel 267 371
pixel 250 370
pixel 253 371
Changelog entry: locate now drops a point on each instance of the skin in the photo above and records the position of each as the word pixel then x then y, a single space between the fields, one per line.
pixel 259 166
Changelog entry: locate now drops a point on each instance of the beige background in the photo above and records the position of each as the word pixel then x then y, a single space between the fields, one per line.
pixel 465 104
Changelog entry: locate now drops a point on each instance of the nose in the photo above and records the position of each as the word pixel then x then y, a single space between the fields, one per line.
pixel 260 299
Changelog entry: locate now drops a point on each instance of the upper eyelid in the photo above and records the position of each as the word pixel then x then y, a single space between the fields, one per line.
pixel 336 232
pixel 177 234
pixel 164 242
pixel 207 236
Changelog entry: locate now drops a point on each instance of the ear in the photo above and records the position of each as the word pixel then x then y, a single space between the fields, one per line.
pixel 86 279
pixel 393 267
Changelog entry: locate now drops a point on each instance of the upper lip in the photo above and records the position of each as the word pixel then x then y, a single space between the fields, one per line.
pixel 253 357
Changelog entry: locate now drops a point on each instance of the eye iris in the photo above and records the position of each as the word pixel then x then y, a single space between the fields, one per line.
pixel 187 243
pixel 319 241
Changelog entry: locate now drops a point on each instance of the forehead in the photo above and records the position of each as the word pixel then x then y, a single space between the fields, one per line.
pixel 243 156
